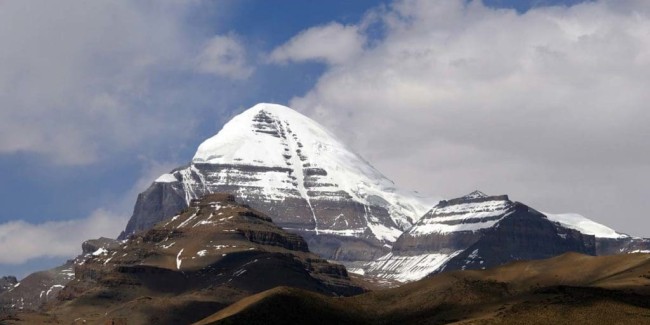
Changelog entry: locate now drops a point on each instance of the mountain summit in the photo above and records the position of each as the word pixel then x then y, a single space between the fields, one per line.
pixel 285 164
pixel 475 195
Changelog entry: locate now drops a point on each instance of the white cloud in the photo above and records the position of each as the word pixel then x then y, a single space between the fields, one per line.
pixel 81 80
pixel 333 43
pixel 21 241
pixel 224 56
pixel 549 106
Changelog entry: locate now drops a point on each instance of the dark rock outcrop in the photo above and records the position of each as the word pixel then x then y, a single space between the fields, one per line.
pixel 524 234
pixel 478 231
pixel 7 282
pixel 93 245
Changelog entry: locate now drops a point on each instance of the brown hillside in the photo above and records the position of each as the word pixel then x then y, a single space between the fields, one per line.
pixel 213 254
pixel 569 289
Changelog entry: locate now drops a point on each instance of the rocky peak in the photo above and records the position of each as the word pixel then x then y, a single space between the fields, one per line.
pixel 475 195
pixel 477 231
pixel 468 213
pixel 524 234
pixel 211 231
pixel 7 282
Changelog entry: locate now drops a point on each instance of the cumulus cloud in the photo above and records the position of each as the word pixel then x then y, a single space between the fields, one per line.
pixel 224 56
pixel 80 80
pixel 332 43
pixel 549 105
pixel 21 241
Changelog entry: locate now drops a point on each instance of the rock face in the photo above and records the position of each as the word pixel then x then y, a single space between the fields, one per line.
pixel 478 231
pixel 524 234
pixel 286 165
pixel 212 254
pixel 96 245
pixel 7 282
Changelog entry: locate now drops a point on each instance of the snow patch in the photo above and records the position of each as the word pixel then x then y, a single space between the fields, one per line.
pixel 52 288
pixel 187 221
pixel 166 178
pixel 178 259
pixel 170 220
pixel 100 251
pixel 407 268
pixel 357 270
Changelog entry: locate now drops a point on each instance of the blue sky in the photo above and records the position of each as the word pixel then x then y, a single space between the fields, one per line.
pixel 99 99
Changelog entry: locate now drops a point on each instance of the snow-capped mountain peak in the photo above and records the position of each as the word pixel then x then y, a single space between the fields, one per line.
pixel 286 165
pixel 276 136
pixel 283 163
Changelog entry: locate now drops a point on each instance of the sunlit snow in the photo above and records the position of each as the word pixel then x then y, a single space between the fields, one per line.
pixel 584 225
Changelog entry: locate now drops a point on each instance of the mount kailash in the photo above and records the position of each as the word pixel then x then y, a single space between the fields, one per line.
pixel 290 167
pixel 285 165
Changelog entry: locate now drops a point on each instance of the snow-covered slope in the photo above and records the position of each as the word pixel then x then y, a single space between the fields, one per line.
pixel 270 135
pixel 584 225
pixel 405 267
pixel 285 164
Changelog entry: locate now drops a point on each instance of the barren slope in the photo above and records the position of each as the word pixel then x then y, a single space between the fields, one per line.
pixel 571 288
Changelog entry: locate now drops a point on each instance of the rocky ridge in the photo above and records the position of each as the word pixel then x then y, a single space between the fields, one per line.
pixel 479 231
pixel 212 254
pixel 38 289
